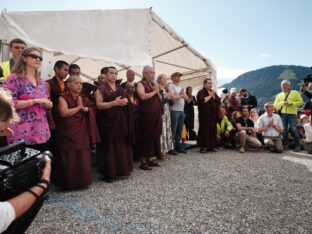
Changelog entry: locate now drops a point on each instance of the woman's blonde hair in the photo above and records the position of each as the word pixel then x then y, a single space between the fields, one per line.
pixel 7 111
pixel 19 67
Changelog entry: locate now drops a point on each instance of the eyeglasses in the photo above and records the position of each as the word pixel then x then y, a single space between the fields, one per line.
pixel 34 56
pixel 19 47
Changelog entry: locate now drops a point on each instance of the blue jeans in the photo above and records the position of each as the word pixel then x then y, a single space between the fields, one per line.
pixel 177 121
pixel 289 123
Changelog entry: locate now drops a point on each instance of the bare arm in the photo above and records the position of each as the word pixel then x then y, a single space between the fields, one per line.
pixel 107 105
pixel 24 201
pixel 239 127
pixel 30 102
pixel 64 110
pixel 142 94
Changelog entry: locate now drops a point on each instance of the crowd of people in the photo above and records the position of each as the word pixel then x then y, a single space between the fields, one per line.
pixel 122 122
pixel 143 121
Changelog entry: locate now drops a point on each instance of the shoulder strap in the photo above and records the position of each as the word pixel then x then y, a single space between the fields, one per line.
pixel 285 99
pixel 287 95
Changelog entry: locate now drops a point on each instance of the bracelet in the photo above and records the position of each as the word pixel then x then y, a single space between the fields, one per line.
pixel 45 190
pixel 43 181
pixel 32 192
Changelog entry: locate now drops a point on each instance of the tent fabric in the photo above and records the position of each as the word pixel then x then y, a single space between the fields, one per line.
pixel 121 38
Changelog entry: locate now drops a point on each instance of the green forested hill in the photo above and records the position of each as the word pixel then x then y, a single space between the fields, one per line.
pixel 264 83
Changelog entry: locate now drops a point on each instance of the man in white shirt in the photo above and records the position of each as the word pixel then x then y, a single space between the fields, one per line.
pixel 308 134
pixel 271 127
pixel 177 110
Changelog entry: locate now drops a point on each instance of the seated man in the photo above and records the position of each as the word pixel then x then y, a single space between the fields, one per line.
pixel 225 130
pixel 246 131
pixel 271 127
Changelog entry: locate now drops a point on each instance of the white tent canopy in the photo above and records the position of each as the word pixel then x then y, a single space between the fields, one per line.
pixel 97 38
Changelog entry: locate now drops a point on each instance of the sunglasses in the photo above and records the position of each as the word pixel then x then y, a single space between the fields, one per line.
pixel 34 56
pixel 19 47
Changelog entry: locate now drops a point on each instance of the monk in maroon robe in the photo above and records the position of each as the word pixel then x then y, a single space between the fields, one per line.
pixel 208 112
pixel 76 132
pixel 149 122
pixel 115 121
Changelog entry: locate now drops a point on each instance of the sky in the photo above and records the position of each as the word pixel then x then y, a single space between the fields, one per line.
pixel 236 35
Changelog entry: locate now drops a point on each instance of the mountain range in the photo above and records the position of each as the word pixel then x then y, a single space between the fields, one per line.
pixel 265 83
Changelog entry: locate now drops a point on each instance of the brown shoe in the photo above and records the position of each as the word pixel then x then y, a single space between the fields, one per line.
pixel 241 150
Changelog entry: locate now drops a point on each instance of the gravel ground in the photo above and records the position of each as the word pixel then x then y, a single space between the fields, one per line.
pixel 223 192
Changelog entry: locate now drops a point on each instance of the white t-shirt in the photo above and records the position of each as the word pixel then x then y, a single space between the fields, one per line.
pixel 308 132
pixel 7 215
pixel 178 105
pixel 263 122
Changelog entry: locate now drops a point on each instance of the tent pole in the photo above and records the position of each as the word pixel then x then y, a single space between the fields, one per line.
pixel 46 71
pixel 169 51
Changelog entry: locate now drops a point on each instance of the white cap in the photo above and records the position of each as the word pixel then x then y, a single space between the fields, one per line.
pixel 303 116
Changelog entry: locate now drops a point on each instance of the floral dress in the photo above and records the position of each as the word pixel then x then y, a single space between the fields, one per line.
pixel 33 127
pixel 166 142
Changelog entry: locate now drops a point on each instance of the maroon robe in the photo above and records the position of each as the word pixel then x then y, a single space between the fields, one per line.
pixel 56 91
pixel 149 124
pixel 116 126
pixel 207 117
pixel 74 136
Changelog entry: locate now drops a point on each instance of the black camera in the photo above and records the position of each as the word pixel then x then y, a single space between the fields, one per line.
pixel 20 168
pixel 308 78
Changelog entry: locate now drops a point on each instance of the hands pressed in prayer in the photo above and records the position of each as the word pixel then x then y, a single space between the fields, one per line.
pixel 212 94
pixel 121 101
pixel 156 88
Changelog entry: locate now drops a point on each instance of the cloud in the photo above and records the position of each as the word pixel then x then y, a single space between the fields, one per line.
pixel 265 55
pixel 227 75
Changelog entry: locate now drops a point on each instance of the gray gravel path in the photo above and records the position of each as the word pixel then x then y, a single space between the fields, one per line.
pixel 223 192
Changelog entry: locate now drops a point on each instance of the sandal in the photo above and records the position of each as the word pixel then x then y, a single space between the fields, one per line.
pixel 164 157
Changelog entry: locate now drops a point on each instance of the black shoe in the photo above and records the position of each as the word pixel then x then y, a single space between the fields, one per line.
pixel 172 152
pixel 145 167
pixel 213 150
pixel 228 146
pixel 154 164
pixel 108 179
pixel 181 151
